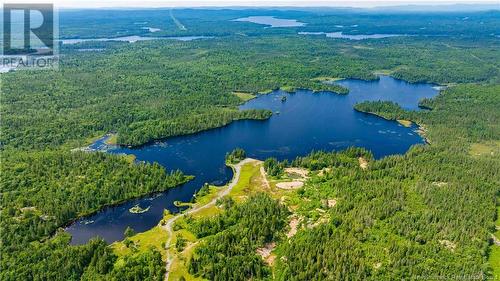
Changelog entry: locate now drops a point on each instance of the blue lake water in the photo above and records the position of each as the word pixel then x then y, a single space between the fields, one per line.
pixel 340 35
pixel 306 121
pixel 272 21
pixel 133 39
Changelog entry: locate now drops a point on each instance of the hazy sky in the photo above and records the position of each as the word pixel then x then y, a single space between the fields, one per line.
pixel 198 3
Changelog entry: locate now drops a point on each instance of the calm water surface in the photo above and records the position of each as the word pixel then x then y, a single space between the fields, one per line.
pixel 272 21
pixel 305 122
pixel 351 37
pixel 133 39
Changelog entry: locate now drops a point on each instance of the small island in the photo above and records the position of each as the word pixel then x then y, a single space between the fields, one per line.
pixel 138 210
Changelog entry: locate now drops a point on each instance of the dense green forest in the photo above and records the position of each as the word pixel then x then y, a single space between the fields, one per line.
pixel 229 252
pixel 42 191
pixel 428 212
pixel 235 156
pixel 151 90
pixel 210 22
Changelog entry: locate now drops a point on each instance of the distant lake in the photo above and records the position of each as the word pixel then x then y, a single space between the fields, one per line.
pixel 133 38
pixel 152 29
pixel 306 121
pixel 351 37
pixel 272 21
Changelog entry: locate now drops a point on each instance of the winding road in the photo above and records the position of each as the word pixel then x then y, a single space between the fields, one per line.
pixel 225 191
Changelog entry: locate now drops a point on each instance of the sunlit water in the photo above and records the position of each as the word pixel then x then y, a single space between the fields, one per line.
pixel 272 21
pixel 132 39
pixel 340 35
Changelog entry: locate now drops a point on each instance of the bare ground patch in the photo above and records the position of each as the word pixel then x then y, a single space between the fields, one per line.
pixel 290 185
pixel 331 203
pixel 448 244
pixel 363 164
pixel 294 224
pixel 301 172
pixel 266 253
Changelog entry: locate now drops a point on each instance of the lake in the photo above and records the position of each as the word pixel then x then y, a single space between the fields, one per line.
pixel 133 39
pixel 272 21
pixel 351 37
pixel 151 29
pixel 306 122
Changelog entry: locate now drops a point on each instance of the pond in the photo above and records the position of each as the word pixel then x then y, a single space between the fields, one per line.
pixel 133 39
pixel 272 21
pixel 306 121
pixel 351 37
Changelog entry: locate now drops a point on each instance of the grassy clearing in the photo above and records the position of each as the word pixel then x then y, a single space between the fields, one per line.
pixel 112 140
pixel 209 197
pixel 180 265
pixel 383 72
pixel 494 257
pixel 326 79
pixel 244 96
pixel 249 176
pixel 485 149
pixel 265 92
pixel 130 158
pixel 207 212
pixel 494 261
pixel 288 89
pixel 182 204
pixel 155 237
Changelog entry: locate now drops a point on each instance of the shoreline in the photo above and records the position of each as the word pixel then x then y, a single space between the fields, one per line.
pixel 225 190
pixel 65 226
pixel 114 134
pixel 421 129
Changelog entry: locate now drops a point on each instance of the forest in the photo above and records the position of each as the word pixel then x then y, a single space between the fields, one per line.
pixel 42 191
pixel 434 204
pixel 229 252
pixel 186 87
pixel 428 212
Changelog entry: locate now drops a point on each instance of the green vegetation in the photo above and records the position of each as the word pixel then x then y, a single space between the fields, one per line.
pixel 138 210
pixel 288 89
pixel 129 232
pixel 494 256
pixel 426 213
pixel 112 139
pixel 385 109
pixel 42 191
pixel 194 92
pixel 229 253
pixel 413 205
pixel 491 148
pixel 244 96
pixel 142 242
pixel 235 156
pixel 273 167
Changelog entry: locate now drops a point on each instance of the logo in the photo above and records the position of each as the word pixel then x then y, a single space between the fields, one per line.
pixel 28 36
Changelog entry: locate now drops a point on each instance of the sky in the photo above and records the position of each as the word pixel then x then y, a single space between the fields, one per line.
pixel 267 3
